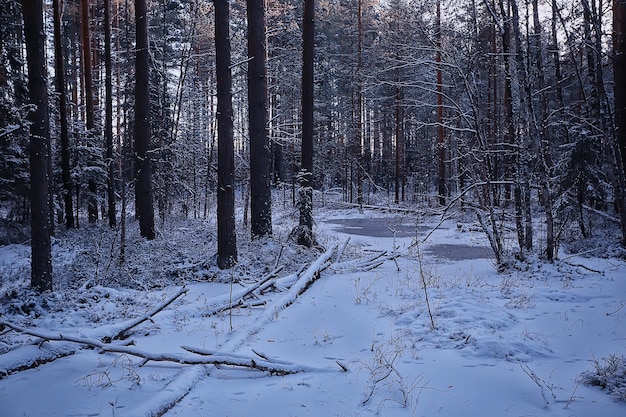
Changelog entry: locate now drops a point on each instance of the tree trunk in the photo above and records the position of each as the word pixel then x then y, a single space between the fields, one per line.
pixel 260 158
pixel 108 118
pixel 143 166
pixel 305 233
pixel 65 140
pixel 441 144
pixel 358 113
pixel 545 161
pixel 226 238
pixel 399 139
pixel 92 206
pixel 34 34
pixel 619 74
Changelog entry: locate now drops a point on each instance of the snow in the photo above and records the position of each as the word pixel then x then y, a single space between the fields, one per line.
pixel 503 344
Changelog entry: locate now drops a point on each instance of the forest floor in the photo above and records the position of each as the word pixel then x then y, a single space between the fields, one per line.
pixel 374 322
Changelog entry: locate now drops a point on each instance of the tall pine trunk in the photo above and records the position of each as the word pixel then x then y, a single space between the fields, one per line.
pixel 358 113
pixel 441 140
pixel 143 166
pixel 61 90
pixel 108 117
pixel 41 264
pixel 92 205
pixel 226 238
pixel 619 75
pixel 260 158
pixel 305 235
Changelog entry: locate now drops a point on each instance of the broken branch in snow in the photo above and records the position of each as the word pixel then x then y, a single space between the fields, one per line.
pixel 35 354
pixel 237 298
pixel 341 250
pixel 199 357
pixel 122 334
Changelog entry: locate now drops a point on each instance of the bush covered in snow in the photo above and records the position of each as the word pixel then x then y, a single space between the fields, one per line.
pixel 610 375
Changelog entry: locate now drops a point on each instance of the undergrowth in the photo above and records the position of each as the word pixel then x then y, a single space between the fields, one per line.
pixel 609 374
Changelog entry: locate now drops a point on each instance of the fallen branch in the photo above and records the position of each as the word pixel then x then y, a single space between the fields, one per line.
pixel 237 299
pixel 199 356
pixel 122 334
pixel 35 354
pixel 341 250
pixel 584 267
pixel 166 398
pixel 305 279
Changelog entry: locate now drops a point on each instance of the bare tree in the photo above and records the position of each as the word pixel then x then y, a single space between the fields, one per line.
pixel 441 139
pixel 143 166
pixel 226 238
pixel 108 117
pixel 92 206
pixel 619 74
pixel 61 91
pixel 304 231
pixel 260 158
pixel 41 264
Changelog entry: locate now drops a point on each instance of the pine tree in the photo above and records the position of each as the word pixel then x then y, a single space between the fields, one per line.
pixel 260 158
pixel 143 166
pixel 226 238
pixel 41 264
pixel 305 235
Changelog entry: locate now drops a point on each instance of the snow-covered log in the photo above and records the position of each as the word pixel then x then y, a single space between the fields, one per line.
pixel 35 354
pixel 198 356
pixel 305 279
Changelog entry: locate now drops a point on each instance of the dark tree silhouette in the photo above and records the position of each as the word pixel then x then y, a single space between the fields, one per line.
pixel 304 231
pixel 143 167
pixel 260 158
pixel 41 265
pixel 92 206
pixel 61 90
pixel 226 237
pixel 619 74
pixel 108 116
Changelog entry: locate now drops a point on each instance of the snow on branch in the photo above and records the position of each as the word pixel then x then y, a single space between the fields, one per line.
pixel 197 356
pixel 36 354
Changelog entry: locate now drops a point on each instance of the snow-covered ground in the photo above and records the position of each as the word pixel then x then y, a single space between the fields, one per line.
pixel 435 331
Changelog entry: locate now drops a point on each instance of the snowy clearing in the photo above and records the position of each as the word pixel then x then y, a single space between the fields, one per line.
pixel 385 327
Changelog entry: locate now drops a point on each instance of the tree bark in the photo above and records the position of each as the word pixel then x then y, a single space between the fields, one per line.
pixel 619 74
pixel 545 161
pixel 108 117
pixel 61 90
pixel 305 235
pixel 34 34
pixel 226 238
pixel 143 166
pixel 358 113
pixel 92 206
pixel 260 158
pixel 441 140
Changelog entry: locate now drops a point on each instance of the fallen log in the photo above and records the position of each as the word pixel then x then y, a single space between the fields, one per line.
pixel 304 281
pixel 198 356
pixel 35 354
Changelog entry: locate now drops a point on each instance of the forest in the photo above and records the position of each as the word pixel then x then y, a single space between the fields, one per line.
pixel 321 207
pixel 512 110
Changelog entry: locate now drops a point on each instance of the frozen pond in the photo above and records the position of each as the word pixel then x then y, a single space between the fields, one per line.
pixel 456 252
pixel 387 227
pixel 381 227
